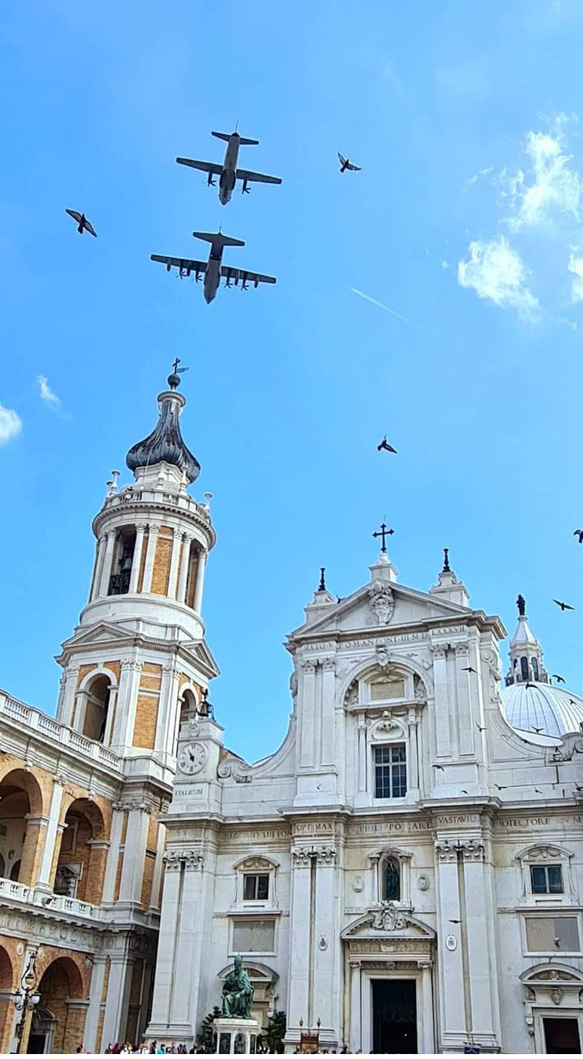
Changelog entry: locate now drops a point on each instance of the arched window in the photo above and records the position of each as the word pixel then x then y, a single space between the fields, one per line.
pixel 15 871
pixel 193 560
pixel 524 668
pixel 97 702
pixel 391 879
pixel 534 664
pixel 119 582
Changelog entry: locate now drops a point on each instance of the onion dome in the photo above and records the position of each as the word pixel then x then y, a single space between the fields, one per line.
pixel 165 444
pixel 542 706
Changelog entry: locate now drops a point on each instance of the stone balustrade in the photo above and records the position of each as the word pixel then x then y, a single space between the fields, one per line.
pixel 80 746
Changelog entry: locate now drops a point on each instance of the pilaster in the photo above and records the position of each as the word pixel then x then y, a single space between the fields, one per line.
pixel 150 555
pixel 137 557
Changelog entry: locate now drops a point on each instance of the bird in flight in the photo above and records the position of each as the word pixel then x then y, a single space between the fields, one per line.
pixel 559 680
pixel 537 790
pixel 454 920
pixel 469 669
pixel 579 534
pixel 83 225
pixel 480 728
pixel 345 164
pixel 440 767
pixel 538 730
pixel 563 606
pixel 463 792
pixel 529 685
pixel 500 788
pixel 385 445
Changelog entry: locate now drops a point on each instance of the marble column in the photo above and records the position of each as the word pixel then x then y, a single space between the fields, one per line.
pixel 137 556
pixel 328 741
pixel 465 682
pixel 158 865
pixel 174 560
pixel 199 583
pixel 187 539
pixel 425 1018
pixel 413 753
pixel 167 938
pixel 113 856
pixel 167 707
pixel 481 951
pixel 355 1005
pixel 117 1001
pixel 66 705
pixel 298 988
pixel 132 872
pixel 150 556
pixel 99 556
pixel 106 569
pixel 95 994
pixel 452 992
pixel 307 715
pixel 189 945
pixel 44 875
pixel 327 1000
pixel 443 735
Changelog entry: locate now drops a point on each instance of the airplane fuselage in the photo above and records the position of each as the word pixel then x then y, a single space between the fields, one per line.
pixel 212 276
pixel 228 177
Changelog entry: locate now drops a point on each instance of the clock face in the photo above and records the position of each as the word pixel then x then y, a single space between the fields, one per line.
pixel 192 758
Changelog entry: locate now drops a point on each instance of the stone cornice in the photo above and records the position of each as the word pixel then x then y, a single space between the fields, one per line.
pixel 141 508
pixel 323 639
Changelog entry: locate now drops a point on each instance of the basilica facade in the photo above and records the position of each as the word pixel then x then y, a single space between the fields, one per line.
pixel 404 874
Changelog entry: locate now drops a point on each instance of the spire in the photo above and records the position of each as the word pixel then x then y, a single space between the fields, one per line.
pixel 322 585
pixel 526 654
pixel 165 443
pixel 448 585
pixel 446 566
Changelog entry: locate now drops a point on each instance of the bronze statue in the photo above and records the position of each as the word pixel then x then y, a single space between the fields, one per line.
pixel 237 993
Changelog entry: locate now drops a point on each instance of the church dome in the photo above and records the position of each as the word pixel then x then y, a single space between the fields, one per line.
pixel 165 444
pixel 544 706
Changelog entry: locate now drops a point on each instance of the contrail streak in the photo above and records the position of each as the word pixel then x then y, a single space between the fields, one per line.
pixel 368 298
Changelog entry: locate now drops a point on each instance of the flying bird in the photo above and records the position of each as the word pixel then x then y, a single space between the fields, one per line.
pixel 346 164
pixel 463 792
pixel 385 445
pixel 529 684
pixel 563 606
pixel 537 790
pixel 440 767
pixel 559 680
pixel 537 730
pixel 83 225
pixel 480 728
pixel 468 669
pixel 454 920
pixel 579 534
pixel 500 788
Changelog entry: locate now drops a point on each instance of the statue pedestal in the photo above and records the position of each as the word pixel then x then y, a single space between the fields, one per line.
pixel 236 1036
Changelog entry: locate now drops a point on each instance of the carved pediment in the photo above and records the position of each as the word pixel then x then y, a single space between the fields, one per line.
pixel 378 604
pixel 102 633
pixel 544 975
pixel 202 656
pixel 387 920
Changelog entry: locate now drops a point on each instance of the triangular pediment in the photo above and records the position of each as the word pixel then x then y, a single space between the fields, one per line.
pixel 102 633
pixel 372 608
pixel 387 921
pixel 201 653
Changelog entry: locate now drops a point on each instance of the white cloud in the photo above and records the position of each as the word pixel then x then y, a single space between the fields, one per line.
pixel 10 424
pixel 47 394
pixel 474 179
pixel 444 264
pixel 551 189
pixel 496 271
pixel 576 267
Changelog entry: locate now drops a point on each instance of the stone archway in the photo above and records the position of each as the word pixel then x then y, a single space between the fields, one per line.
pixel 62 999
pixel 80 868
pixel 21 813
pixel 6 1006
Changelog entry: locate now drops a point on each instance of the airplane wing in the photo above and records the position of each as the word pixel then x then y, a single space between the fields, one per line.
pixel 183 264
pixel 205 167
pixel 243 275
pixel 246 174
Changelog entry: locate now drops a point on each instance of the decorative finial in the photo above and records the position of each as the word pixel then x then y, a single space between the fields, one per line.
pixel 521 604
pixel 446 566
pixel 383 533
pixel 174 377
pixel 322 585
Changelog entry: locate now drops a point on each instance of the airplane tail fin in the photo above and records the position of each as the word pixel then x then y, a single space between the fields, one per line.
pixel 242 139
pixel 218 239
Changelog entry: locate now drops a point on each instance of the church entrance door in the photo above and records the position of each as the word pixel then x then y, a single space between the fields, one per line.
pixel 394 1016
pixel 562 1037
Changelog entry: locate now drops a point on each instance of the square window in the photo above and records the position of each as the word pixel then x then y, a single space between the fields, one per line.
pixel 546 879
pixel 390 771
pixel 255 887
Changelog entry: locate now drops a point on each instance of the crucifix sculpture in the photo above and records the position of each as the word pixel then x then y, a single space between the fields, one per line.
pixel 384 533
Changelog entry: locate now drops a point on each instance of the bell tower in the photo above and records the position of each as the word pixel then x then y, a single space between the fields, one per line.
pixel 138 658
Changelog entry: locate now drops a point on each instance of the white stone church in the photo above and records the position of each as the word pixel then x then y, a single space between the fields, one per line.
pixel 404 874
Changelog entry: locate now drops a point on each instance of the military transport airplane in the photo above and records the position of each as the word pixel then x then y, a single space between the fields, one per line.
pixel 213 270
pixel 228 173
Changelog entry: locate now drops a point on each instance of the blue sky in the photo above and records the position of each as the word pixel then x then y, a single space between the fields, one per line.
pixel 466 220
